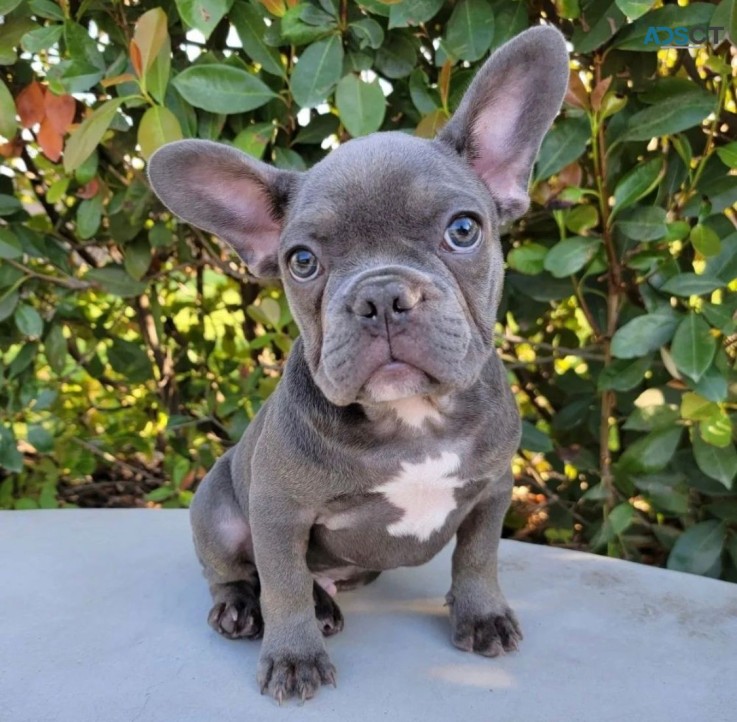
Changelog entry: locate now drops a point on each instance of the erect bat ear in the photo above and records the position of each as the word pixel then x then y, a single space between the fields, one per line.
pixel 506 111
pixel 221 190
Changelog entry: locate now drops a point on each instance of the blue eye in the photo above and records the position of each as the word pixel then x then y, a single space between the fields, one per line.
pixel 463 234
pixel 303 264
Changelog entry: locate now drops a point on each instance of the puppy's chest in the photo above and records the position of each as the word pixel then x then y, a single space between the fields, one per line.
pixel 414 500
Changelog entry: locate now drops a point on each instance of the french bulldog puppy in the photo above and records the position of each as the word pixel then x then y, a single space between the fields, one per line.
pixel 393 426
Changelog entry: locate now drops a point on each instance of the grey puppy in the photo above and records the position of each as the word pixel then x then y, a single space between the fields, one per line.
pixel 393 426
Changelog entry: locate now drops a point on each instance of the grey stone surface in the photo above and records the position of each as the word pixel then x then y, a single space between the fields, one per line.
pixel 102 617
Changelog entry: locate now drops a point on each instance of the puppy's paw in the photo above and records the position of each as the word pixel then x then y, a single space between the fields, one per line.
pixel 294 675
pixel 489 634
pixel 327 612
pixel 237 618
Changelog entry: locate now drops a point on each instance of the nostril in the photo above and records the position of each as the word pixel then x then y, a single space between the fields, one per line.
pixel 366 309
pixel 404 303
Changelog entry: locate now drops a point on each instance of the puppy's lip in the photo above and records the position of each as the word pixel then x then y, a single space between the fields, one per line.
pixel 395 379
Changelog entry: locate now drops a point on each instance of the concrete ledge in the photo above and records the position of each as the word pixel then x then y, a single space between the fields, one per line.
pixel 102 617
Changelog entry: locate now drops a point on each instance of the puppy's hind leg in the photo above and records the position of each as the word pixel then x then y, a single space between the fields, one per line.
pixel 222 538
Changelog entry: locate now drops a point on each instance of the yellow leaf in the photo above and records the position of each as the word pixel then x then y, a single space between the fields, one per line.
pixel 149 35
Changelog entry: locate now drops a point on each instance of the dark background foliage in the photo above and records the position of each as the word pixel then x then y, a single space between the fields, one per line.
pixel 134 349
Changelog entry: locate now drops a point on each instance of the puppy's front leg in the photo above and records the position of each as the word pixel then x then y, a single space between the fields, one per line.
pixel 481 620
pixel 293 658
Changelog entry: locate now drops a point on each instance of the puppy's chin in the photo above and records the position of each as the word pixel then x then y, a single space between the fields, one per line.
pixel 393 381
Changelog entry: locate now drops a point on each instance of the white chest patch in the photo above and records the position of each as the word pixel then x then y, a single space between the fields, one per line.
pixel 414 411
pixel 424 493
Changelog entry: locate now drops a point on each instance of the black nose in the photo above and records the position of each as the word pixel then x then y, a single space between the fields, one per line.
pixel 390 299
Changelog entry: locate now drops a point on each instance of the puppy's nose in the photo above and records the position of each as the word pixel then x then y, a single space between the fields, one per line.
pixel 392 300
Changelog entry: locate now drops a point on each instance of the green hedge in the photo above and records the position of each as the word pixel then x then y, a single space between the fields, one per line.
pixel 134 349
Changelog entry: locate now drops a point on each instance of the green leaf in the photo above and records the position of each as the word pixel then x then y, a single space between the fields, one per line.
pixel 705 240
pixel 317 72
pixel 653 451
pixel 691 284
pixel 724 264
pixel 203 15
pixel 413 12
pixel 697 408
pixel 114 279
pixel 570 255
pixel 251 28
pixel 41 38
pixel 368 32
pixel 728 154
pixel 11 31
pixel 9 205
pixel 643 223
pixel 563 144
pixel 10 458
pixel 319 128
pixel 253 139
pixel 7 6
pixel 693 346
pixel 397 57
pixel 470 30
pixel 621 517
pixel 670 116
pixel 89 215
pixel 83 141
pixel 712 385
pixel 130 360
pixel 535 440
pixel 719 463
pixel 156 79
pixel 8 122
pixel 158 126
pixel 137 258
pixel 717 430
pixel 10 246
pixel 8 302
pixel 581 219
pixel 222 88
pixel 28 321
pixel 603 20
pixel 361 105
pixel 55 346
pixel 637 183
pixel 528 259
pixel 644 334
pixel 696 14
pixel 633 9
pixel 41 439
pixel 699 548
pixel 623 375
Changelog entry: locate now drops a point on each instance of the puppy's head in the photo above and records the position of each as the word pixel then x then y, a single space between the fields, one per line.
pixel 389 247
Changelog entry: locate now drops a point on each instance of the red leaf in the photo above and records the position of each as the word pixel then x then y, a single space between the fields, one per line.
pixel 136 62
pixel 60 111
pixel 30 104
pixel 50 140
pixel 12 149
pixel 89 190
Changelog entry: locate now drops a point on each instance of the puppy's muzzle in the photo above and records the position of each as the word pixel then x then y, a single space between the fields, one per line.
pixel 385 299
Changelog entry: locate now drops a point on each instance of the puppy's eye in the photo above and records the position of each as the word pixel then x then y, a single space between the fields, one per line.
pixel 463 234
pixel 303 264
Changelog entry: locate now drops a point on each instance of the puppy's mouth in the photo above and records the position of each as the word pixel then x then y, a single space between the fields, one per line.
pixel 394 380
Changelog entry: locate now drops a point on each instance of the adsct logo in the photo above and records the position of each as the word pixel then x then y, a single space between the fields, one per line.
pixel 682 37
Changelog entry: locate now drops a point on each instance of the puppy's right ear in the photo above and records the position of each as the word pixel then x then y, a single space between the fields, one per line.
pixel 223 191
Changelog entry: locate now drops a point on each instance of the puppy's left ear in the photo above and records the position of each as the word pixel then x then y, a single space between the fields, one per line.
pixel 506 111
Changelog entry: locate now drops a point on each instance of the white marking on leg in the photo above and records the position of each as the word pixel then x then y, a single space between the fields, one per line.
pixel 424 493
pixel 234 532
